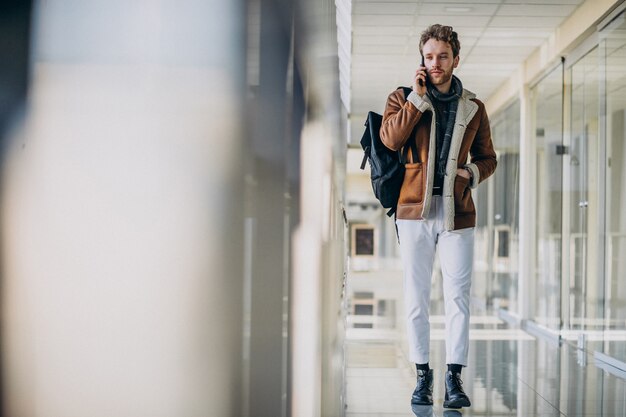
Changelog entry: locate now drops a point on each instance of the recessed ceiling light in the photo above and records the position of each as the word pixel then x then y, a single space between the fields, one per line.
pixel 458 9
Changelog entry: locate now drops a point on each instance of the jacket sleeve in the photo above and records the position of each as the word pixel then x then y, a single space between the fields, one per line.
pixel 400 118
pixel 483 157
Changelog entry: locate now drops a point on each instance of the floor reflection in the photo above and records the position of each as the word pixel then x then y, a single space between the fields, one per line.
pixel 427 411
pixel 422 410
pixel 509 374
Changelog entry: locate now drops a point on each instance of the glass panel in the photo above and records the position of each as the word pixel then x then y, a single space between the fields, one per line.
pixel 547 105
pixel 616 191
pixel 502 232
pixel 586 285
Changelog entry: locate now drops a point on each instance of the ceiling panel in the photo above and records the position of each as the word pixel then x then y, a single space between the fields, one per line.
pixel 537 33
pixel 540 2
pixel 381 40
pixel 488 52
pixel 387 8
pixel 391 30
pixel 525 22
pixel 466 3
pixel 508 42
pixel 496 37
pixel 382 20
pixel 457 9
pixel 363 59
pixel 454 21
pixel 379 50
pixel 470 64
pixel 517 10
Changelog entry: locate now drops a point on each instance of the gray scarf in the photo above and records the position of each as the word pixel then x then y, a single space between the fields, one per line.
pixel 450 103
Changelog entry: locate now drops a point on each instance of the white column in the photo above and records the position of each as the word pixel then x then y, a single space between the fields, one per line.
pixel 527 202
pixel 308 273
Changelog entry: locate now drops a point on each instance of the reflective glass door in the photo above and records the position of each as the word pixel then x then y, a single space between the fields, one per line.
pixel 615 293
pixel 585 278
pixel 547 104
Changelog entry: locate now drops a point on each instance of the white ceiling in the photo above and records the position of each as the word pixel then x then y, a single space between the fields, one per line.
pixel 378 44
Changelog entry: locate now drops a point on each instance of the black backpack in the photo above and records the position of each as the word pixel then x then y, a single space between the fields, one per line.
pixel 386 166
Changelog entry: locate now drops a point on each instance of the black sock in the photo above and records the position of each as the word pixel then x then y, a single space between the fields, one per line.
pixel 422 366
pixel 455 368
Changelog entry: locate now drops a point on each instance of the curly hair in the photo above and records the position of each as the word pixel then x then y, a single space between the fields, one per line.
pixel 441 33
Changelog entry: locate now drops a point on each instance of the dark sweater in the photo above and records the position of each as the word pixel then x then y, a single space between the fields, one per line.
pixel 441 110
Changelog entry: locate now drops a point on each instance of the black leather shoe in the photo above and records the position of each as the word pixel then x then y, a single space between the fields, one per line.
pixel 455 396
pixel 423 394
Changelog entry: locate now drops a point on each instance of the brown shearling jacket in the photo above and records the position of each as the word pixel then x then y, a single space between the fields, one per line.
pixel 471 138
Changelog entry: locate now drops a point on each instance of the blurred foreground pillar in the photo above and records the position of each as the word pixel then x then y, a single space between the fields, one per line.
pixel 122 214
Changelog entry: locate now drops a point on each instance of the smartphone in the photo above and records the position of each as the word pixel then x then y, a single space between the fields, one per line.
pixel 420 80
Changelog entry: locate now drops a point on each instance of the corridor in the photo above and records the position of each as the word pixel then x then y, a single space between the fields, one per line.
pixel 510 373
pixel 189 228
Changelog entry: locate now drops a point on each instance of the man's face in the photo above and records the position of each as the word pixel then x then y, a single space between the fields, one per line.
pixel 439 61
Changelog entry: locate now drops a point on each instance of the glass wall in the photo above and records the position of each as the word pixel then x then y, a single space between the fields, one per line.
pixel 547 107
pixel 615 286
pixel 578 122
pixel 497 205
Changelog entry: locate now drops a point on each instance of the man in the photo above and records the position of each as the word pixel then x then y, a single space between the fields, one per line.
pixel 435 208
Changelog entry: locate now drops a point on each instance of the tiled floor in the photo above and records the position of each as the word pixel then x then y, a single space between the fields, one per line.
pixel 510 374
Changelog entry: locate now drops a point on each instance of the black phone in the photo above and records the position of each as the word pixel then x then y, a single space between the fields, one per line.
pixel 420 80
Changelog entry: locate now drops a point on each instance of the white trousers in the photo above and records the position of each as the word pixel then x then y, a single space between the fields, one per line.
pixel 418 241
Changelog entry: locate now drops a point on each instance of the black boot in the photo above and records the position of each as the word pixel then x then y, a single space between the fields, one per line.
pixel 455 396
pixel 423 394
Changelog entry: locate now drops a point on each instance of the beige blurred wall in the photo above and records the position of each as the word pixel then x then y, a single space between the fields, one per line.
pixel 122 214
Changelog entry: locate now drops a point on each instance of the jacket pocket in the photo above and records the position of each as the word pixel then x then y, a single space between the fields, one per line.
pixel 463 203
pixel 412 191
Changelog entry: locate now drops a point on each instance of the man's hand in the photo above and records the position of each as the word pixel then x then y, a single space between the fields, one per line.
pixel 420 74
pixel 463 173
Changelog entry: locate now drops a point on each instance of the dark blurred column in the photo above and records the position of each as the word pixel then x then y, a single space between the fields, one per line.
pixel 15 18
pixel 294 261
pixel 271 209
